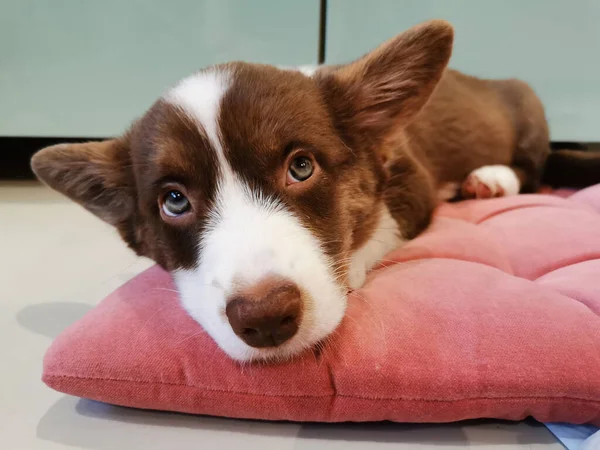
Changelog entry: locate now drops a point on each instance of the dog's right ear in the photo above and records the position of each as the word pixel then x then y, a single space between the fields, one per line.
pixel 382 91
pixel 93 174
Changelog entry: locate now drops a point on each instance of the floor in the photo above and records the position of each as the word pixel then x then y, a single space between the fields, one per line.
pixel 57 262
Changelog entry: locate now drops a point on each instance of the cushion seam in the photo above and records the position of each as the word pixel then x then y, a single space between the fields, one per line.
pixel 570 297
pixel 516 208
pixel 531 397
pixel 388 266
pixel 573 262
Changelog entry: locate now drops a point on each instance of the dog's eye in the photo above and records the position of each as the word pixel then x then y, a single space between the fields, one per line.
pixel 175 203
pixel 300 169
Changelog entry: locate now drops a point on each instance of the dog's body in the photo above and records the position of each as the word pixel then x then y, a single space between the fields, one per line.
pixel 494 130
pixel 267 193
pixel 500 122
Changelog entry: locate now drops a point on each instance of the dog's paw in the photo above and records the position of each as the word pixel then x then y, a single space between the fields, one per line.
pixel 490 182
pixel 357 274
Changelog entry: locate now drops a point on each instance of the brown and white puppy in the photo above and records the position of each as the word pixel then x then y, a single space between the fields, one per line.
pixel 268 193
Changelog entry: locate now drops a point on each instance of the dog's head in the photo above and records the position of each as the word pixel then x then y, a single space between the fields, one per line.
pixel 255 186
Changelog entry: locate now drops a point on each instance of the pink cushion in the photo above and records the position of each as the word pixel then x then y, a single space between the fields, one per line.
pixel 491 313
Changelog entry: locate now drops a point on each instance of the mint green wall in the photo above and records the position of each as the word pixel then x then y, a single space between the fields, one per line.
pixel 88 67
pixel 552 44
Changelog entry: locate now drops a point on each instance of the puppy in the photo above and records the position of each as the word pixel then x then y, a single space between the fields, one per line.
pixel 268 193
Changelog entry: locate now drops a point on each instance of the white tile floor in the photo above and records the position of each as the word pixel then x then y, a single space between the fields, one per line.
pixel 57 262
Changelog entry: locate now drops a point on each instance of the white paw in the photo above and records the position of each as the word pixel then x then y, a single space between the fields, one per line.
pixel 357 274
pixel 491 181
pixel 386 237
pixel 447 191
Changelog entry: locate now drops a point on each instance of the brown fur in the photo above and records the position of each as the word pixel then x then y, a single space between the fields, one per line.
pixel 442 125
pixel 390 128
pixel 469 123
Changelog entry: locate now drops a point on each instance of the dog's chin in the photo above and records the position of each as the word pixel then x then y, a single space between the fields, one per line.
pixel 322 315
pixel 294 348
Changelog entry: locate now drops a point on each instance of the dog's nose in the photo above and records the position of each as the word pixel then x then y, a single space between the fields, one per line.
pixel 266 314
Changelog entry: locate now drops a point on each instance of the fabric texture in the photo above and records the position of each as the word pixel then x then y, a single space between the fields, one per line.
pixel 493 312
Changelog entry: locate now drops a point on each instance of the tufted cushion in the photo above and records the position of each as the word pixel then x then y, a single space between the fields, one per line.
pixel 491 313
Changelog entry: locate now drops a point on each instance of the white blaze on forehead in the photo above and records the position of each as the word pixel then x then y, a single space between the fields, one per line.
pixel 200 97
pixel 249 237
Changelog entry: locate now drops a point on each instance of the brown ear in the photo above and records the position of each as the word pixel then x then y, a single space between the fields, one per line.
pixel 93 174
pixel 389 85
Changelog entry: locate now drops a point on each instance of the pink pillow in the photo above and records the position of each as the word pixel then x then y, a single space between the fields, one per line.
pixel 491 313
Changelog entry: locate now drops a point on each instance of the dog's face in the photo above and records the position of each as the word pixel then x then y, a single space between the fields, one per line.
pixel 256 187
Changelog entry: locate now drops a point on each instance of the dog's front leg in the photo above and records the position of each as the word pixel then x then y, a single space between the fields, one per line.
pixel 408 203
pixel 410 195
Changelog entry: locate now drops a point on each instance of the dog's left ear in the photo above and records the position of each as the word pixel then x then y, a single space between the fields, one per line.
pixel 93 174
pixel 384 89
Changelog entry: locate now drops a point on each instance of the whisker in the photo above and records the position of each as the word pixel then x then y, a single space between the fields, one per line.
pixel 193 335
pixel 375 312
pixel 166 290
pixel 148 321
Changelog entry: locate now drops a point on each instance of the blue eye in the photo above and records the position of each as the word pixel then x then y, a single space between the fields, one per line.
pixel 301 168
pixel 175 203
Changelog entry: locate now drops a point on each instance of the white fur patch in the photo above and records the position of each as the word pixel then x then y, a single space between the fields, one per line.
pixel 447 191
pixel 250 237
pixel 308 70
pixel 498 176
pixel 385 239
pixel 200 97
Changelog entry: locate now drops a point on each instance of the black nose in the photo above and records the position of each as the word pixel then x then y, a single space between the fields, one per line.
pixel 266 314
